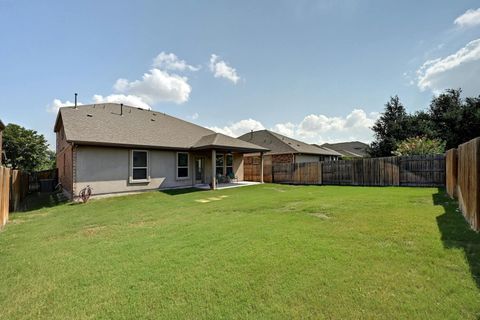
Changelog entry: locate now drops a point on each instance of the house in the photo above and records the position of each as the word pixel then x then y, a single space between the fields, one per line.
pixel 2 127
pixel 287 150
pixel 115 148
pixel 353 149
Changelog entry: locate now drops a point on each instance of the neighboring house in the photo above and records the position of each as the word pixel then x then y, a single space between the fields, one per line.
pixel 354 149
pixel 287 150
pixel 115 148
pixel 2 127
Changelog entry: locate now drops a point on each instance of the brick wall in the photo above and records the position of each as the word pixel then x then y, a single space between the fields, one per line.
pixel 64 162
pixel 1 141
pixel 282 158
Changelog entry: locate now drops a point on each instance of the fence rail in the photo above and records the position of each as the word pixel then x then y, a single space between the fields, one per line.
pixel 463 179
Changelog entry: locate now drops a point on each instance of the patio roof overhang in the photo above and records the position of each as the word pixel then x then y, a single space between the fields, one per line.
pixel 228 149
pixel 221 142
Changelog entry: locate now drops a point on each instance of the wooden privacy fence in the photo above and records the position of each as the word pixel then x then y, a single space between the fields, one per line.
pixel 14 185
pixel 4 195
pixel 251 168
pixel 19 189
pixel 463 179
pixel 428 170
pixel 297 173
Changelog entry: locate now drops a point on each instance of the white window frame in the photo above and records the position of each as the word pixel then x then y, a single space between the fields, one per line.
pixel 131 180
pixel 187 166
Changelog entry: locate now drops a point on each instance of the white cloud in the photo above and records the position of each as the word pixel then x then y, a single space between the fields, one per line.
pixel 156 86
pixel 287 129
pixel 458 70
pixel 470 18
pixel 320 128
pixel 221 69
pixel 169 61
pixel 314 128
pixel 129 100
pixel 238 128
pixel 56 104
pixel 194 116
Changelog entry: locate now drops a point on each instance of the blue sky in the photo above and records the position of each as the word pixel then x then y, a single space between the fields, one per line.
pixel 315 70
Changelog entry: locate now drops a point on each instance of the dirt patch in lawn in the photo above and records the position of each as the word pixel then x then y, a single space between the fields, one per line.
pixel 92 230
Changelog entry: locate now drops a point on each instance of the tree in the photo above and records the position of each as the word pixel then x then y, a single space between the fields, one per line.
pixel 455 120
pixel 51 161
pixel 25 149
pixel 389 129
pixel 470 119
pixel 446 113
pixel 419 146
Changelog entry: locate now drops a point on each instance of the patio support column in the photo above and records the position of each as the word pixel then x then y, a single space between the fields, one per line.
pixel 261 167
pixel 214 175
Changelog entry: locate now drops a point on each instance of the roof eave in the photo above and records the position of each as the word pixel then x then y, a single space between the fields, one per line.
pixel 125 145
pixel 230 148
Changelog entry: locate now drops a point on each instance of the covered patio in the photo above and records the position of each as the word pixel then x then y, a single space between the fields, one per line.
pixel 224 156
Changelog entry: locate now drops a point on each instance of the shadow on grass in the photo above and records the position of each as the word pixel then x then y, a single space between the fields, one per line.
pixel 456 232
pixel 39 200
pixel 176 192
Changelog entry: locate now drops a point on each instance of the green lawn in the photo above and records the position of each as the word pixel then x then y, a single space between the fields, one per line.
pixel 261 252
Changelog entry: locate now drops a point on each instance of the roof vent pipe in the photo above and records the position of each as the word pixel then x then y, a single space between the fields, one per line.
pixel 76 94
pixel 121 109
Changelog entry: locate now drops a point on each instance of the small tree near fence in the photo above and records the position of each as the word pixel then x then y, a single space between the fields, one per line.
pixel 419 146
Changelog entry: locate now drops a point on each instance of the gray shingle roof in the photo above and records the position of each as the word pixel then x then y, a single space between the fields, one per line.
pixel 279 144
pixel 106 124
pixel 348 149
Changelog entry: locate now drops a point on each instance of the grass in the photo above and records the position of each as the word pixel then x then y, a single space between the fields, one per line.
pixel 261 252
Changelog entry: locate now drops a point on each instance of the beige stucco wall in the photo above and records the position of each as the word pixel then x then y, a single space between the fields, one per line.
pixel 238 165
pixel 302 158
pixel 107 170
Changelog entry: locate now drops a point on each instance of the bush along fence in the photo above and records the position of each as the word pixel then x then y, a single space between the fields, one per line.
pixel 428 170
pixel 463 179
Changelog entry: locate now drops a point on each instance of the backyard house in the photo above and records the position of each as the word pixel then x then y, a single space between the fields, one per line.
pixel 287 150
pixel 2 127
pixel 352 149
pixel 115 148
pixel 283 150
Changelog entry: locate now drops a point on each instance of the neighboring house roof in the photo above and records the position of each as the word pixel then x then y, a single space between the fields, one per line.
pixel 279 144
pixel 107 124
pixel 348 149
pixel 2 126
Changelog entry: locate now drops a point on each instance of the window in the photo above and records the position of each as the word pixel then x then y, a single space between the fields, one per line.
pixel 182 165
pixel 139 165
pixel 229 166
pixel 219 161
